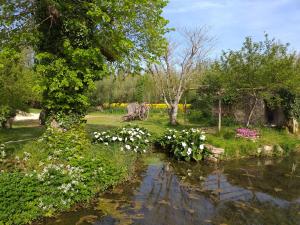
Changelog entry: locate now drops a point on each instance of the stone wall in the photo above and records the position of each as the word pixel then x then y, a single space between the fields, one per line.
pixel 261 115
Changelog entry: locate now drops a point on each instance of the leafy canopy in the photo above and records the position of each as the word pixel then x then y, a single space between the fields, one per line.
pixel 78 42
pixel 259 69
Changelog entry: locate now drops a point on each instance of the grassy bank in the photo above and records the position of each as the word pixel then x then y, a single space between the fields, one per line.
pixel 234 147
pixel 240 147
pixel 44 176
pixel 40 177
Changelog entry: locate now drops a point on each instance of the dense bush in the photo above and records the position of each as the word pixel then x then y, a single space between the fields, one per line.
pixel 131 138
pixel 185 145
pixel 59 170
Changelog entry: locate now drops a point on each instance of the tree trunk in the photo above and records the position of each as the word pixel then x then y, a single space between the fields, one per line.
pixel 293 126
pixel 251 113
pixel 220 115
pixel 173 113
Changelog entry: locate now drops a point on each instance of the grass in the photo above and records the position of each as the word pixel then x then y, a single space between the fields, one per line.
pixel 234 147
pixel 115 166
pixel 33 110
pixel 21 133
pixel 157 123
pixel 239 147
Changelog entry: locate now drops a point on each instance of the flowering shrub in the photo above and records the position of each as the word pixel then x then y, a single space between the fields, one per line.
pixel 131 138
pixel 59 170
pixel 185 145
pixel 246 133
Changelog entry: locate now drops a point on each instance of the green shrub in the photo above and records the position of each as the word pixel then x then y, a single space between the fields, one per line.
pixel 131 138
pixel 57 171
pixel 185 145
pixel 203 118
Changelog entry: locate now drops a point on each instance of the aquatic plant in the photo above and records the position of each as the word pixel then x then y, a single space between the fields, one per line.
pixel 186 144
pixel 131 138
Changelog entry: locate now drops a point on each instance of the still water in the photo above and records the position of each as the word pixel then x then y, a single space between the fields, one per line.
pixel 167 192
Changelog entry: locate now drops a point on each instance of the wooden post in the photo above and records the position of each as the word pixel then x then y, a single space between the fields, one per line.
pixel 220 114
pixel 184 110
pixel 295 126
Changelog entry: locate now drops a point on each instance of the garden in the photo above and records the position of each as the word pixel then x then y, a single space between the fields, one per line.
pixel 105 120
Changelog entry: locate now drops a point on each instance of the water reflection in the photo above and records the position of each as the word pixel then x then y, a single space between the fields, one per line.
pixel 238 192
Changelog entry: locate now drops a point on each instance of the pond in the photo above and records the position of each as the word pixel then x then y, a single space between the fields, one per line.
pixel 167 192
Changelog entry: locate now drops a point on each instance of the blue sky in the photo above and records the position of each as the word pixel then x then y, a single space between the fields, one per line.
pixel 230 21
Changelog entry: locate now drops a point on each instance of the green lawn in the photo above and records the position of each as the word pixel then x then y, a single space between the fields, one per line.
pixel 157 123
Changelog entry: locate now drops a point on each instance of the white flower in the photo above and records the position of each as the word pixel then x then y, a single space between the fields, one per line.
pixel 183 144
pixel 131 139
pixel 146 140
pixel 120 139
pixel 114 138
pixel 201 146
pixel 189 151
pixel 105 143
pixel 127 147
pixel 202 137
pixel 169 137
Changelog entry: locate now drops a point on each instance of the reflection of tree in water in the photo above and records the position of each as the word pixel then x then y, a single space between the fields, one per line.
pixel 167 201
pixel 279 178
pixel 257 213
pixel 172 192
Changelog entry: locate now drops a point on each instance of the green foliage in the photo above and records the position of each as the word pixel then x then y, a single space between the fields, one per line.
pixel 201 116
pixel 59 170
pixel 78 43
pixel 137 88
pixel 259 70
pixel 184 145
pixel 18 198
pixel 132 138
pixel 290 103
pixel 16 83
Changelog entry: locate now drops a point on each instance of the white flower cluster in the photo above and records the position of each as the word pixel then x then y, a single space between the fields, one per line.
pixel 186 144
pixel 134 138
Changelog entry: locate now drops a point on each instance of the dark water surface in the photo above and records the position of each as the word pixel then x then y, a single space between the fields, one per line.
pixel 164 192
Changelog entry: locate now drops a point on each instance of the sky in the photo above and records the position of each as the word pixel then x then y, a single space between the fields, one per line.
pixel 230 21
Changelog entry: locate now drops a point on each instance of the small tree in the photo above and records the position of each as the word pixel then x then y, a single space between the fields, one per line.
pixel 259 70
pixel 179 66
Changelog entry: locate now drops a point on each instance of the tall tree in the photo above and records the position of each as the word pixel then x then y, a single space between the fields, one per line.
pixel 78 42
pixel 179 66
